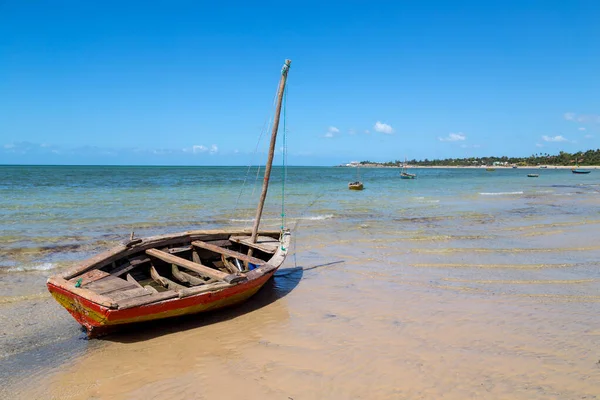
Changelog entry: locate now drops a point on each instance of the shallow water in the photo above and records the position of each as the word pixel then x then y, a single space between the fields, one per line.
pixel 460 284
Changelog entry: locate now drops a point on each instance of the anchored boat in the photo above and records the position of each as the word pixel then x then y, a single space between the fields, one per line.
pixel 358 185
pixel 176 274
pixel 404 174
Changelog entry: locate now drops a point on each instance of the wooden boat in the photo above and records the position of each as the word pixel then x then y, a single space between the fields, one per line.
pixel 580 171
pixel 404 174
pixel 355 186
pixel 174 274
pixel 533 175
pixel 358 185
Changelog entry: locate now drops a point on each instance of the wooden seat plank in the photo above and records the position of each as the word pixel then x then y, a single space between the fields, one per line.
pixel 130 294
pixel 228 252
pixel 109 284
pixel 199 268
pixel 266 244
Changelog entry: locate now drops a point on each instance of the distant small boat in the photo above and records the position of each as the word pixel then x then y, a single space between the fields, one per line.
pixel 404 174
pixel 580 171
pixel 355 186
pixel 533 175
pixel 543 166
pixel 358 185
pixel 490 169
pixel 514 166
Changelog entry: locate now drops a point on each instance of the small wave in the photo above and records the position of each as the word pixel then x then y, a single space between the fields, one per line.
pixel 37 267
pixel 311 218
pixel 499 193
pixel 318 217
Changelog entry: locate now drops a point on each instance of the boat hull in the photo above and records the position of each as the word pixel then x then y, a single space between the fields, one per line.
pixel 354 186
pixel 98 319
pixel 580 171
pixel 99 314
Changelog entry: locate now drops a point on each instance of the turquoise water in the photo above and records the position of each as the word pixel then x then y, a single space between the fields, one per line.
pixel 459 284
pixel 55 214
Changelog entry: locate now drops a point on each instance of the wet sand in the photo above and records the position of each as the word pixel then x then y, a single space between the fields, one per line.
pixel 354 315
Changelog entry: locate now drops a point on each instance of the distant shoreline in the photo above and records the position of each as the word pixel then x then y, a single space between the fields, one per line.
pixel 469 167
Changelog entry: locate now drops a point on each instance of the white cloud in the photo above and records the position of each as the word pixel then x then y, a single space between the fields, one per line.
pixel 582 129
pixel 454 137
pixel 214 149
pixel 539 145
pixel 582 118
pixel 588 136
pixel 557 138
pixel 383 128
pixel 199 148
pixel 9 146
pixel 331 132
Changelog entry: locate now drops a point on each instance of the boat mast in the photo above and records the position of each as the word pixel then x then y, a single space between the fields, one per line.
pixel 265 187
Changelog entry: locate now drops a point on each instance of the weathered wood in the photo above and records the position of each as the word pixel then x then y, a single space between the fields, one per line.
pixel 196 257
pixel 121 252
pixel 109 284
pixel 165 282
pixel 133 262
pixel 129 294
pixel 228 252
pixel 176 250
pixel 203 289
pixel 269 164
pixel 151 289
pixel 195 281
pixel 132 280
pixel 229 265
pixel 199 268
pixel 140 301
pixel 90 277
pixel 157 278
pixel 265 244
pixel 177 274
pixel 78 291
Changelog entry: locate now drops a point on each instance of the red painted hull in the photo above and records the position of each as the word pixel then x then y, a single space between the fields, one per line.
pixel 98 319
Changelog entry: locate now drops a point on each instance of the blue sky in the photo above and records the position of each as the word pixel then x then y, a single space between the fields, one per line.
pixel 192 82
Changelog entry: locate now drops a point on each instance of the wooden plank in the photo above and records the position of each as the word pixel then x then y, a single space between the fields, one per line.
pixel 133 262
pixel 130 294
pixel 183 238
pixel 132 280
pixel 227 252
pixel 203 289
pixel 165 282
pixel 89 277
pixel 143 300
pixel 263 243
pixel 199 268
pixel 185 278
pixel 109 284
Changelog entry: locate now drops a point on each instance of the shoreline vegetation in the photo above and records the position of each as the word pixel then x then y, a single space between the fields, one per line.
pixel 563 160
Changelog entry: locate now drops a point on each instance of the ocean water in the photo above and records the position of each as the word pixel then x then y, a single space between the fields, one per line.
pixel 462 283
